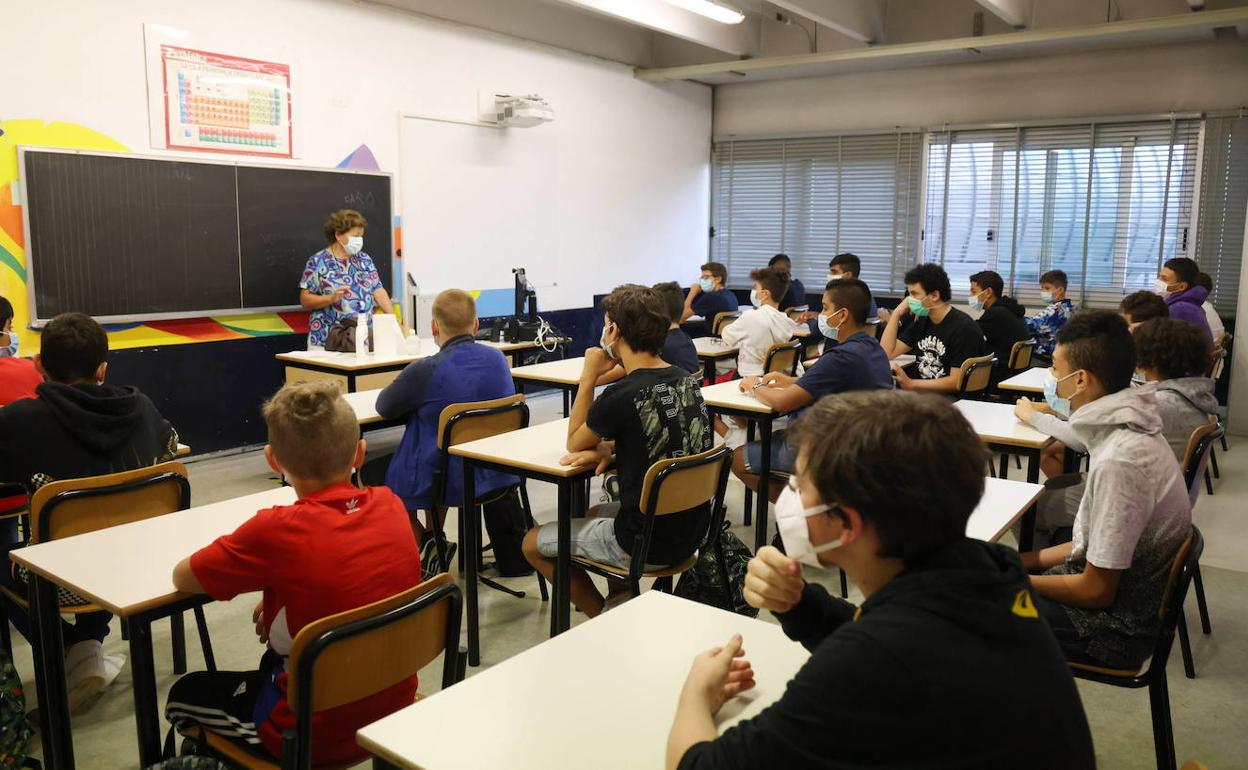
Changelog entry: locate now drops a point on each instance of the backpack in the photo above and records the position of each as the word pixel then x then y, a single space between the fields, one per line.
pixel 506 523
pixel 707 583
pixel 15 731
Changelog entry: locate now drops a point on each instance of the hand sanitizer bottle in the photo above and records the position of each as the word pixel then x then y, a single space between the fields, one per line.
pixel 361 334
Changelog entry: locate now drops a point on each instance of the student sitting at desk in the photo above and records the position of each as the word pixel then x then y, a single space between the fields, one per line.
pixel 942 337
pixel 18 376
pixel 945 663
pixel 1100 593
pixel 654 412
pixel 678 349
pixel 795 294
pixel 857 362
pixel 1178 284
pixel 336 548
pixel 1045 325
pixel 1176 356
pixel 840 267
pixel 1001 321
pixel 461 371
pixel 78 426
pixel 1140 306
pixel 709 297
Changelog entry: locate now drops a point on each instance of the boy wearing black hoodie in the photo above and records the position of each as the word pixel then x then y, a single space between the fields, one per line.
pixel 1001 320
pixel 945 664
pixel 77 426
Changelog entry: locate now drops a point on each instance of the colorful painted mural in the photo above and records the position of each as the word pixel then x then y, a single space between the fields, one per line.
pixel 38 133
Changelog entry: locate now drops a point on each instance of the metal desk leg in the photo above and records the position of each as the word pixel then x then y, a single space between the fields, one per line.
pixel 566 400
pixel 472 556
pixel 562 609
pixel 764 489
pixel 708 371
pixel 1027 525
pixel 143 671
pixel 747 516
pixel 49 659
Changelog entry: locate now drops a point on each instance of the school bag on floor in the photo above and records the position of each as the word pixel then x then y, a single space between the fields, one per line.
pixel 15 731
pixel 506 523
pixel 706 582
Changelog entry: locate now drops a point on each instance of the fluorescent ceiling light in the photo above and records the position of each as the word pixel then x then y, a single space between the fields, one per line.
pixel 711 10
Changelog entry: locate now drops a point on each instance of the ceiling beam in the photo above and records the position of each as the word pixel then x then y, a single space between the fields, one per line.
pixel 857 19
pixel 735 39
pixel 1016 13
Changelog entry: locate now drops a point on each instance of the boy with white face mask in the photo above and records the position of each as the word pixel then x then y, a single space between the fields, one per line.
pixel 945 620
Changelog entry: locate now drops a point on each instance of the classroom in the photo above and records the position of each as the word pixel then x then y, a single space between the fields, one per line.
pixel 450 384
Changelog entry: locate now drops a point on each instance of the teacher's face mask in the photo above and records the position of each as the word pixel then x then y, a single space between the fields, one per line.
pixel 354 244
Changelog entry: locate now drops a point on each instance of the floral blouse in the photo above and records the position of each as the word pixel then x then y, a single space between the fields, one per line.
pixel 324 273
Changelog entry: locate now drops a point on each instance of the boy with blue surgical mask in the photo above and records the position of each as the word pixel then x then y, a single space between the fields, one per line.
pixel 8 337
pixel 941 337
pixel 945 619
pixel 1101 592
pixel 708 297
pixel 1047 323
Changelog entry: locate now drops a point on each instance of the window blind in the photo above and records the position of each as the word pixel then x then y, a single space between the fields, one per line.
pixel 813 198
pixel 1107 203
pixel 1223 202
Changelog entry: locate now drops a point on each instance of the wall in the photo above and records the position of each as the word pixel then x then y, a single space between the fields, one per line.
pixel 1136 81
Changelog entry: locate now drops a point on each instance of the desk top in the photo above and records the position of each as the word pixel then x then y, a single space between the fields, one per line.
pixel 364 404
pixel 1004 502
pixel 713 347
pixel 508 347
pixel 565 372
pixel 1029 381
pixel 650 642
pixel 129 568
pixel 996 424
pixel 535 448
pixel 355 362
pixel 728 395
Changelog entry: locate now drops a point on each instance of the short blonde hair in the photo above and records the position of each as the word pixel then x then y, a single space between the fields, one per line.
pixel 455 311
pixel 312 430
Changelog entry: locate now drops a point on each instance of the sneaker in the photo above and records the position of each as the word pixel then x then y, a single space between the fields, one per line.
pixel 87 673
pixel 430 564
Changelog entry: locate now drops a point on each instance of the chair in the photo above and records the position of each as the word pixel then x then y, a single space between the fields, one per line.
pixel 722 320
pixel 1195 460
pixel 1152 674
pixel 469 421
pixel 346 657
pixel 76 506
pixel 1020 355
pixel 672 485
pixel 976 376
pixel 783 357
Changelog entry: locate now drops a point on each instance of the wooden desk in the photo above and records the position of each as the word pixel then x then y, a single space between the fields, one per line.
pixel 1003 432
pixel 1004 502
pixel 711 350
pixel 533 453
pixel 127 570
pixel 1030 381
pixel 564 375
pixel 364 404
pixel 726 398
pixel 550 698
pixel 350 371
pixel 516 350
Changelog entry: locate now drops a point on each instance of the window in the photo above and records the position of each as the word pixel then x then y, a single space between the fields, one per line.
pixel 1106 203
pixel 814 198
pixel 1223 200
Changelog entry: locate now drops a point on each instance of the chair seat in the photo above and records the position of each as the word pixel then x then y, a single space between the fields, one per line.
pixel 242 756
pixel 675 569
pixel 1121 673
pixel 66 609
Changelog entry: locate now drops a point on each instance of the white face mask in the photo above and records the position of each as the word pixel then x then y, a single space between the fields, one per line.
pixel 354 245
pixel 1161 288
pixel 602 342
pixel 754 298
pixel 791 522
pixel 835 277
pixel 1046 296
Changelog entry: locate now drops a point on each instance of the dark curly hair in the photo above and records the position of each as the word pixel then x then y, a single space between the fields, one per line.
pixel 1174 348
pixel 1143 306
pixel 931 277
pixel 641 316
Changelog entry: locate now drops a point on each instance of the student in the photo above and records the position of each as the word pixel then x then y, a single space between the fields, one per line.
pixel 460 371
pixel 8 337
pixel 857 362
pixel 709 297
pixel 1216 328
pixel 848 265
pixel 678 348
pixel 78 426
pixel 1002 319
pixel 1100 593
pixel 763 326
pixel 336 548
pixel 1176 356
pixel 1176 284
pixel 1045 325
pixel 654 412
pixel 795 295
pixel 941 336
pixel 945 663
pixel 1140 306
pixel 18 376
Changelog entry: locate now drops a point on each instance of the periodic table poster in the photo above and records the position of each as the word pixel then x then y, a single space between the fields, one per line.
pixel 218 103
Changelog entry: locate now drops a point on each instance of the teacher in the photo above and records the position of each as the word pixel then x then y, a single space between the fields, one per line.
pixel 340 281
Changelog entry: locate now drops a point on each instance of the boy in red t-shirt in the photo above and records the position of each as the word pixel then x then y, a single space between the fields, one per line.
pixel 337 548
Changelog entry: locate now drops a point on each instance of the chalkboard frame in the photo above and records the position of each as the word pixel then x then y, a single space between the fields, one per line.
pixel 36 322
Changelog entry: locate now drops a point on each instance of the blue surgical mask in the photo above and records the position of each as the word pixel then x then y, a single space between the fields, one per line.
pixel 1056 402
pixel 827 330
pixel 355 244
pixel 917 307
pixel 1046 296
pixel 11 349
pixel 975 302
pixel 1138 379
pixel 706 284
pixel 754 298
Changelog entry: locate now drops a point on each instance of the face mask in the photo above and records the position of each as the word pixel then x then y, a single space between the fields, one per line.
pixel 975 302
pixel 1056 402
pixel 706 284
pixel 602 342
pixel 791 522
pixel 917 307
pixel 1161 288
pixel 11 350
pixel 828 330
pixel 1046 296
pixel 835 277
pixel 355 244
pixel 1138 379
pixel 754 298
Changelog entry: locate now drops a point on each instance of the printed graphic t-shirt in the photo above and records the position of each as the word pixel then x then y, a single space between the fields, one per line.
pixel 939 348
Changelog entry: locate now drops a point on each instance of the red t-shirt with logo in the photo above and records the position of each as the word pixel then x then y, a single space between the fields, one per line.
pixel 330 552
pixel 18 380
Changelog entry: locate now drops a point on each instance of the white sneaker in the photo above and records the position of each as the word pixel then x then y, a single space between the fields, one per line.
pixel 88 672
pixel 735 437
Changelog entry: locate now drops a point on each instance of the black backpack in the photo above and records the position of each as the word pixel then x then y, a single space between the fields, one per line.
pixel 718 577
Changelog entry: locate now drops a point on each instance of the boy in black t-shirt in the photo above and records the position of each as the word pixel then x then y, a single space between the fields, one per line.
pixel 654 412
pixel 1001 321
pixel 678 348
pixel 942 337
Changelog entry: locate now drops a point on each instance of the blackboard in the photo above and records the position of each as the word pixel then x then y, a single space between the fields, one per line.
pixel 128 238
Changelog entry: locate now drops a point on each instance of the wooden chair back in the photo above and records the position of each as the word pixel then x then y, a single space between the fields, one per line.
pixel 472 420
pixel 680 483
pixel 783 357
pixel 1020 355
pixel 349 656
pixel 721 321
pixel 1218 362
pixel 976 374
pixel 76 506
pixel 1196 457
